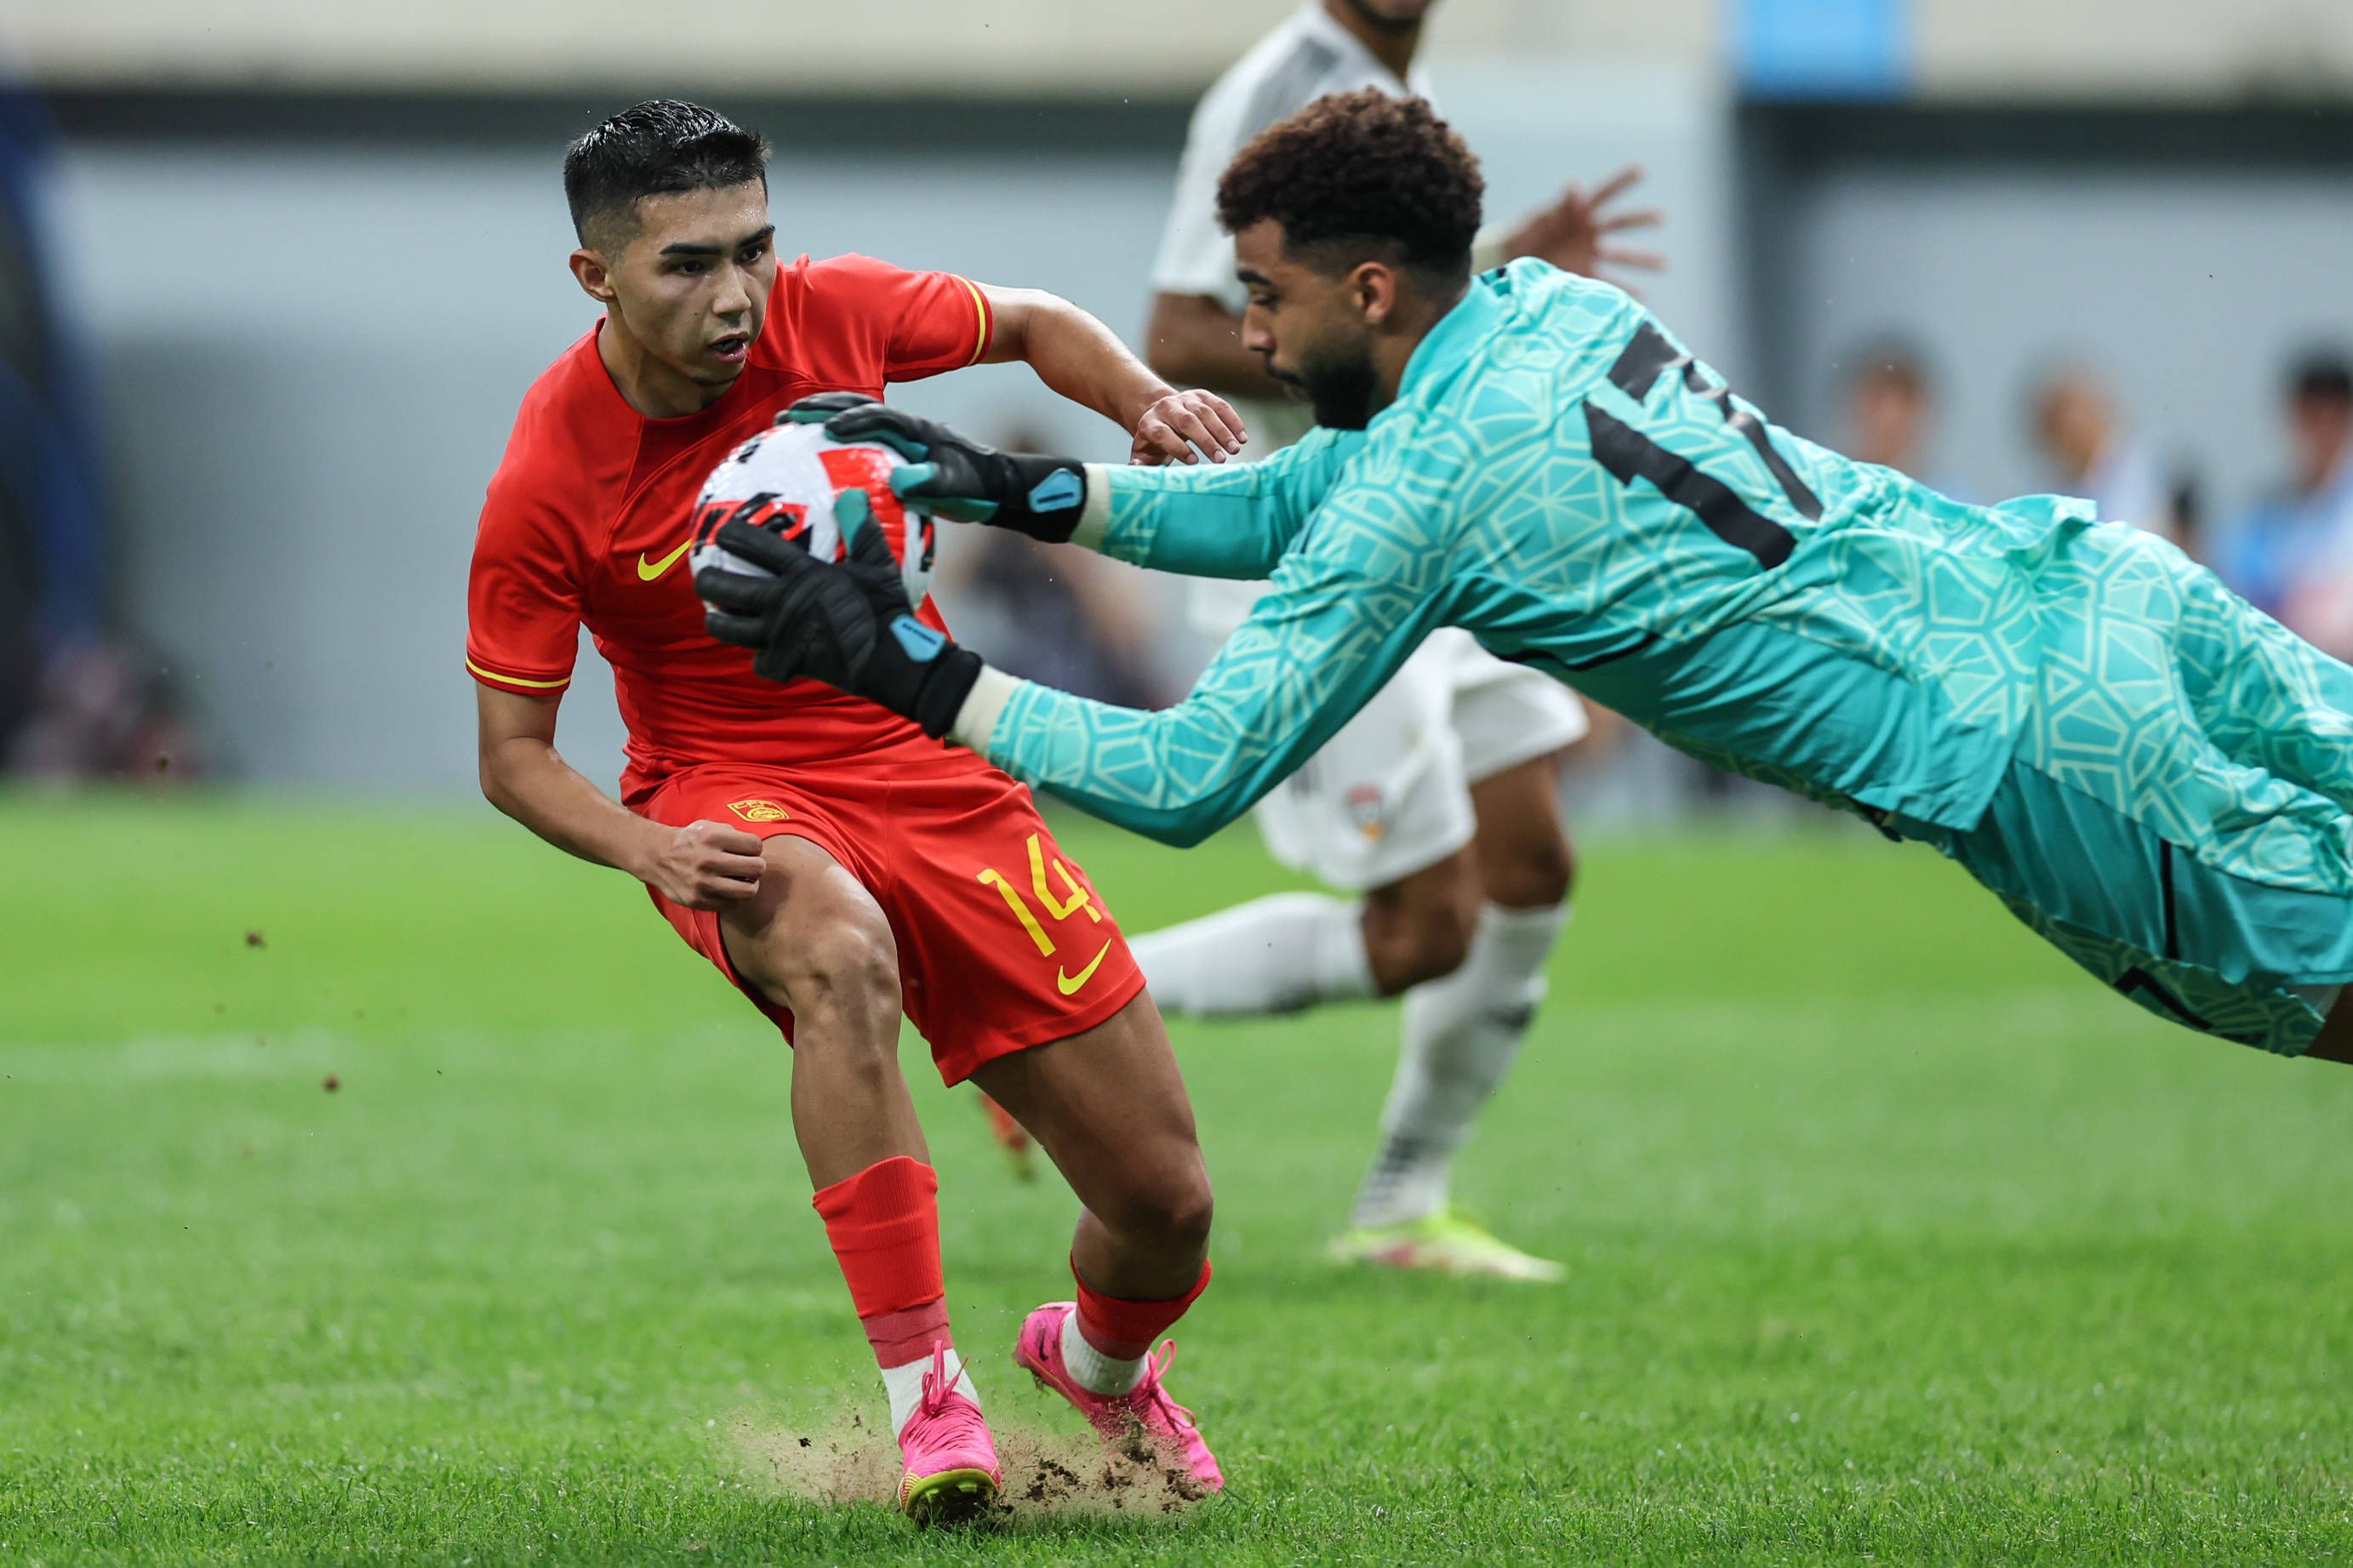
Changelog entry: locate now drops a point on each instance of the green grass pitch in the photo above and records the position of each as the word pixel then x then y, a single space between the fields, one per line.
pixel 1891 1235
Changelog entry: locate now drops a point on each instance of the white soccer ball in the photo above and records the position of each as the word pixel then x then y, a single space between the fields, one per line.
pixel 786 480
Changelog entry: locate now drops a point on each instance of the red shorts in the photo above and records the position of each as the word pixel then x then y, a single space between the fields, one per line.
pixel 1003 943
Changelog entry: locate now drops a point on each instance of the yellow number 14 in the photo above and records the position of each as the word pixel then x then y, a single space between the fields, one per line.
pixel 1059 908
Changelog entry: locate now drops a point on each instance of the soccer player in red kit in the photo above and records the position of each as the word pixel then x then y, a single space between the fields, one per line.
pixel 826 857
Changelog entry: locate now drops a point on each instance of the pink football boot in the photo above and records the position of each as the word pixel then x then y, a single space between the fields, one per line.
pixel 1116 1417
pixel 951 1470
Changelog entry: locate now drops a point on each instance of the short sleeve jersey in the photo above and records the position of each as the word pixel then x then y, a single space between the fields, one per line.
pixel 587 523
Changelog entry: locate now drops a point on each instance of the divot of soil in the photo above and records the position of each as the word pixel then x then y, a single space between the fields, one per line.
pixel 1047 1474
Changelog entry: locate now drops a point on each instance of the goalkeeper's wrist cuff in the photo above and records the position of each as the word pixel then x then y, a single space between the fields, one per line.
pixel 983 704
pixel 1094 517
pixel 1045 497
pixel 943 689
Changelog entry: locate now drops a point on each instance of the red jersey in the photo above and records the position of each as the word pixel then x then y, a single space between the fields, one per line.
pixel 587 520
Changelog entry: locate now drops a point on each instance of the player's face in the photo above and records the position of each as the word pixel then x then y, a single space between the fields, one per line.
pixel 691 284
pixel 1308 328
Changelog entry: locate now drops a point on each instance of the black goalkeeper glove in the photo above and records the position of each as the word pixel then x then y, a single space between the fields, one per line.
pixel 847 625
pixel 956 477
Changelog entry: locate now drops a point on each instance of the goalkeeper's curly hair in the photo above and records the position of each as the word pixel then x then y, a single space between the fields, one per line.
pixel 1361 176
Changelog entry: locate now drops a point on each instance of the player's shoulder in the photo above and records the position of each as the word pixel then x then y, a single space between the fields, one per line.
pixel 573 439
pixel 1560 325
pixel 823 305
pixel 1283 72
pixel 833 319
pixel 1541 300
pixel 849 279
pixel 1493 372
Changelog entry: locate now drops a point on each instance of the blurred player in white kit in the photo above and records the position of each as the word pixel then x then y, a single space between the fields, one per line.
pixel 1437 807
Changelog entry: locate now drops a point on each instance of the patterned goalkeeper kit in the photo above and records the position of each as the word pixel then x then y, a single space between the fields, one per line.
pixel 2151 773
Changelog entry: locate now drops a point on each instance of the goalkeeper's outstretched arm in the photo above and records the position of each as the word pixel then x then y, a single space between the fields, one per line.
pixel 1337 624
pixel 1315 650
pixel 1235 520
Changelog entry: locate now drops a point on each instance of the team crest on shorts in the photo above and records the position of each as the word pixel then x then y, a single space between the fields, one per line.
pixel 1365 809
pixel 757 810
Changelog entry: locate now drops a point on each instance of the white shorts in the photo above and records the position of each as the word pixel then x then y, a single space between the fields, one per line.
pixel 1390 793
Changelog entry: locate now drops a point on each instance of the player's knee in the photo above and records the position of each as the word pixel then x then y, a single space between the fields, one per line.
pixel 1182 1212
pixel 1539 876
pixel 1421 939
pixel 1170 1210
pixel 845 973
pixel 1188 1210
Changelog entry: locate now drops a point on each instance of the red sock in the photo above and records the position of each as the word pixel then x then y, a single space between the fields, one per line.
pixel 1124 1330
pixel 884 1224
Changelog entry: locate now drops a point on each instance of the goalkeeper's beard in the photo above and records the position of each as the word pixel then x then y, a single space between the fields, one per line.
pixel 1341 387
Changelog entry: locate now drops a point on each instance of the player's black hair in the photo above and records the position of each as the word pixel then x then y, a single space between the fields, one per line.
pixel 1361 176
pixel 656 148
pixel 2323 375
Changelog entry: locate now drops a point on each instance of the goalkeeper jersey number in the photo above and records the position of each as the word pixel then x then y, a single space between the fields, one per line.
pixel 1561 477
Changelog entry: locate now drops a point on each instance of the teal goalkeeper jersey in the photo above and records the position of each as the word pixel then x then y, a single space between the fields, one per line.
pixel 1559 475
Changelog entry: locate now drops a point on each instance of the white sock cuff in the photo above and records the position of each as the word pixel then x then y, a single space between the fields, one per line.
pixel 1094 1371
pixel 905 1385
pixel 1520 939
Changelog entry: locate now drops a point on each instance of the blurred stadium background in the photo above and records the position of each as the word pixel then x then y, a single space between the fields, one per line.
pixel 1888 1232
pixel 273 276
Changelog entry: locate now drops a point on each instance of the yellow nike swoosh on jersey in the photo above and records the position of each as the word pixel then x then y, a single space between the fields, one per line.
pixel 1069 983
pixel 648 571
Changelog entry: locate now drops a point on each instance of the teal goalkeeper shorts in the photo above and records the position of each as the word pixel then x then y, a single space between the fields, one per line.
pixel 2235 958
pixel 2174 816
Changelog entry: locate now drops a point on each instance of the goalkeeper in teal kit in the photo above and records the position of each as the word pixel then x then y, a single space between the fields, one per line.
pixel 2150 773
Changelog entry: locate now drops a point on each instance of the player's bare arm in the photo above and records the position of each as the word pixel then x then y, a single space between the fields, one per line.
pixel 1079 358
pixel 704 864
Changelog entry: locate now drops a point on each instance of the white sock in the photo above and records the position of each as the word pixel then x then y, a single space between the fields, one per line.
pixel 1275 954
pixel 1094 1371
pixel 1461 1034
pixel 904 1384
